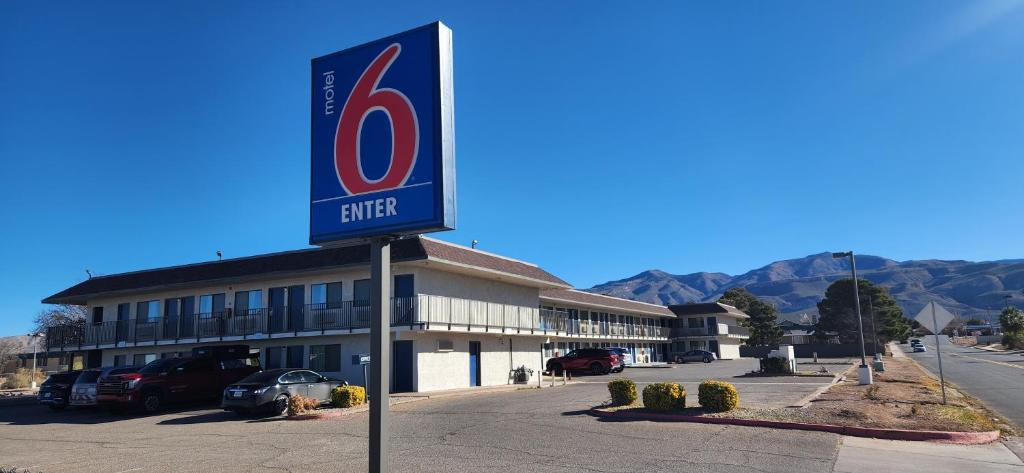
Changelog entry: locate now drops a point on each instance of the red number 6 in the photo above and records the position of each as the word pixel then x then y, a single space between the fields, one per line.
pixel 364 99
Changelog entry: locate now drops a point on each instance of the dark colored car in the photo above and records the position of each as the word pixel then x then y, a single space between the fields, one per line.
pixel 83 392
pixel 694 355
pixel 172 380
pixel 55 392
pixel 269 390
pixel 592 360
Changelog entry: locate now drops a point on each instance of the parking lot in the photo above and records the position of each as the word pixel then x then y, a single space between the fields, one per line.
pixel 526 430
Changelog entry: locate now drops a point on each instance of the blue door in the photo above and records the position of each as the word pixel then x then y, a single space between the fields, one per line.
pixel 474 363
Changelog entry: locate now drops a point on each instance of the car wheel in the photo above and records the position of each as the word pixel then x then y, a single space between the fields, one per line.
pixel 679 360
pixel 280 405
pixel 596 369
pixel 151 402
pixel 707 359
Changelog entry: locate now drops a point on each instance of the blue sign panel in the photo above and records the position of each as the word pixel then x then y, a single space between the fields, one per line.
pixel 382 142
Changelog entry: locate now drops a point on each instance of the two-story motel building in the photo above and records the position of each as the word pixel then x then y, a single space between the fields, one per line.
pixel 460 317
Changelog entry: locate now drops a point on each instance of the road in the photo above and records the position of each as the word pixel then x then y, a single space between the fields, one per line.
pixel 529 430
pixel 997 378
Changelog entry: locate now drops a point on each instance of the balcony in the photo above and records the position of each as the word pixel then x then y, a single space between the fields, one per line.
pixel 252 323
pixel 421 312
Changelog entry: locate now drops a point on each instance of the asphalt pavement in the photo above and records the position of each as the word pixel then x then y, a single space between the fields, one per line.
pixel 996 378
pixel 528 430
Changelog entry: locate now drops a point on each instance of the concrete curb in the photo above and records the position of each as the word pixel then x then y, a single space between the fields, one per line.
pixel 414 397
pixel 964 438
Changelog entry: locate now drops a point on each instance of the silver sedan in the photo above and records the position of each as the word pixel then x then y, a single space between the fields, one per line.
pixel 270 390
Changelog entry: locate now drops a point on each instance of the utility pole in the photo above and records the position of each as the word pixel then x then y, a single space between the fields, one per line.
pixel 864 371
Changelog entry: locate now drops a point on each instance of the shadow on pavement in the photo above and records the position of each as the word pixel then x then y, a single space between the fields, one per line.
pixel 40 415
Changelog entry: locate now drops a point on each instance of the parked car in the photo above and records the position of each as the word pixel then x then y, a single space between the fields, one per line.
pixel 83 392
pixel 919 348
pixel 173 380
pixel 593 360
pixel 269 390
pixel 694 355
pixel 625 358
pixel 56 390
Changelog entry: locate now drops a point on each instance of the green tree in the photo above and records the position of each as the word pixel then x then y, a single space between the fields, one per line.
pixel 1012 320
pixel 974 321
pixel 764 318
pixel 838 315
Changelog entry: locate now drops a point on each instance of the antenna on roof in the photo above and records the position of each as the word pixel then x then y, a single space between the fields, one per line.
pixel 220 256
pixel 88 272
pixel 475 242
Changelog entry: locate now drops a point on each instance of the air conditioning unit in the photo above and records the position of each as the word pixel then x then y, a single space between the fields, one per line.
pixel 445 345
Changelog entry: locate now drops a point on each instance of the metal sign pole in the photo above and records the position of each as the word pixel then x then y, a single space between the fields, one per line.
pixel 380 360
pixel 938 352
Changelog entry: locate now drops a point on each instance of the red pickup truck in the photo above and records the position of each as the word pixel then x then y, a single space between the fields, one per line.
pixel 592 360
pixel 173 380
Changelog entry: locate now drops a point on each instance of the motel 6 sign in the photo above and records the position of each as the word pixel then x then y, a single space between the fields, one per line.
pixel 382 144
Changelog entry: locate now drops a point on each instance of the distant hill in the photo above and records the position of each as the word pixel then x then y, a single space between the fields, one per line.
pixel 796 285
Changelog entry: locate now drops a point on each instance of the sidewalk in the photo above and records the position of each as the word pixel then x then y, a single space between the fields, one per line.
pixel 862 454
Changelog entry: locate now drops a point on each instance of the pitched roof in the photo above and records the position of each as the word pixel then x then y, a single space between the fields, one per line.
pixel 707 308
pixel 407 249
pixel 600 300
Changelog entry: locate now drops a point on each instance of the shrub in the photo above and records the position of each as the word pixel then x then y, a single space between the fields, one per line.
pixel 718 396
pixel 1013 340
pixel 665 397
pixel 623 391
pixel 299 404
pixel 348 396
pixel 775 365
pixel 22 378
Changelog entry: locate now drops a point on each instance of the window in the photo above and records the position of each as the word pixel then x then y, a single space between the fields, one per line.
pixel 124 311
pixel 147 311
pixel 326 293
pixel 284 357
pixel 308 377
pixel 696 322
pixel 248 300
pixel 211 304
pixel 97 315
pixel 361 292
pixel 143 358
pixel 170 354
pixel 291 378
pixel 325 358
pixel 120 360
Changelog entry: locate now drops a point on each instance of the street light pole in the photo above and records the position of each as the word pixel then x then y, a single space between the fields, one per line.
pixel 33 335
pixel 864 372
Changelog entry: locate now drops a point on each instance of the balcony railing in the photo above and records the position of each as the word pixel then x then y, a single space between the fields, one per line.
pixel 348 315
pixel 424 311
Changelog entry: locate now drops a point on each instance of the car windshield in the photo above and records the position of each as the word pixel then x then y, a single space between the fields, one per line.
pixel 89 376
pixel 158 366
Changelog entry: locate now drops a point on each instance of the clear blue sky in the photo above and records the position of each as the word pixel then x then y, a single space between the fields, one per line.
pixel 598 139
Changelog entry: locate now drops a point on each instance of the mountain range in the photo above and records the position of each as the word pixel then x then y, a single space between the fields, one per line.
pixel 796 285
